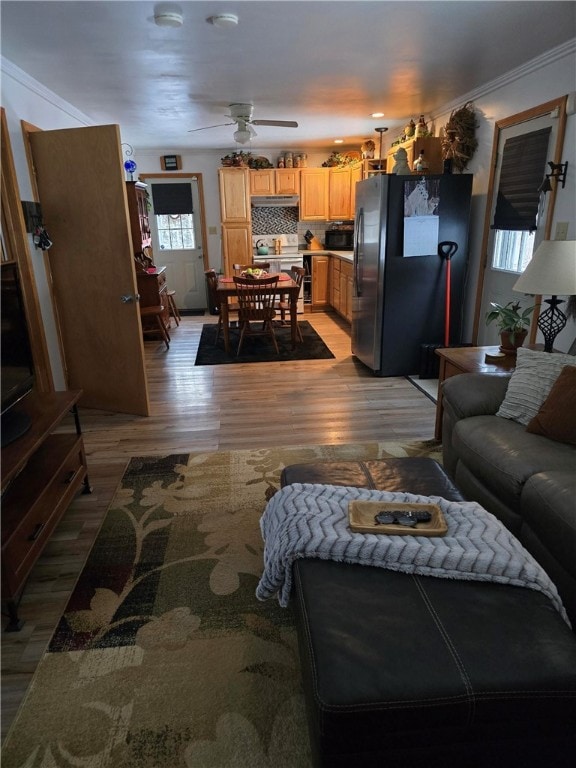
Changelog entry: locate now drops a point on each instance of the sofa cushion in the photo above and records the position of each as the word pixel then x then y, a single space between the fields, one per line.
pixel 502 455
pixel 530 383
pixel 556 418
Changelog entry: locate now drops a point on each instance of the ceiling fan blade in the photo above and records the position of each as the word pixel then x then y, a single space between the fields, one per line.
pixel 206 127
pixel 279 123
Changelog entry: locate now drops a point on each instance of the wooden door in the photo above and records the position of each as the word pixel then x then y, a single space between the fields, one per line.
pixel 262 182
pixel 234 195
pixel 84 205
pixel 314 194
pixel 287 181
pixel 236 246
pixel 339 194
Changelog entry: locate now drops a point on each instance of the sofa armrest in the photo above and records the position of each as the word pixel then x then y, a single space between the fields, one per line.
pixel 474 394
pixel 465 395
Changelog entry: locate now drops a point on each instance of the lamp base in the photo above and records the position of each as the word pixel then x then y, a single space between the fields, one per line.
pixel 551 322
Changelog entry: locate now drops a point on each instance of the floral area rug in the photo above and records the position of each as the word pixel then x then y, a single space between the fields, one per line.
pixel 164 658
pixel 260 349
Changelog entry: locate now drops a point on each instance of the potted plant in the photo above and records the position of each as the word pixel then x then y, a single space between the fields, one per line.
pixel 513 323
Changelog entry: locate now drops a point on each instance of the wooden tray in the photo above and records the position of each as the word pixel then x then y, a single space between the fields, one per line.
pixel 361 518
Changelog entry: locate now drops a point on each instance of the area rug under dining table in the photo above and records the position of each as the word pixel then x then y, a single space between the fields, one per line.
pixel 164 658
pixel 260 349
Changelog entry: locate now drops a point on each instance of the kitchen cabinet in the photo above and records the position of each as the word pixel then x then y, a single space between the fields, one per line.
pixel 236 217
pixel 342 191
pixel 263 182
pixel 236 246
pixel 234 195
pixel 275 181
pixel 314 189
pixel 41 473
pixel 430 145
pixel 320 281
pixel 287 181
pixel 341 272
pixel 137 194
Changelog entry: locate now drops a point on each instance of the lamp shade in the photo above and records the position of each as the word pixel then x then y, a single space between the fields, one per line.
pixel 552 271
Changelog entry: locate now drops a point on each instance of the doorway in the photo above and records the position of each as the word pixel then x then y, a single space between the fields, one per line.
pixel 177 226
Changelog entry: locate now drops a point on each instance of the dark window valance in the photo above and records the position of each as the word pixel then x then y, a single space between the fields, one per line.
pixel 171 198
pixel 521 173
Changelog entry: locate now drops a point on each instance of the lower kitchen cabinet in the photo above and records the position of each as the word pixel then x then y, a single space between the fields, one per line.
pixel 320 282
pixel 341 272
pixel 236 246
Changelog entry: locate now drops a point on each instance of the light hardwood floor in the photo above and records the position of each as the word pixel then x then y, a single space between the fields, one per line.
pixel 208 408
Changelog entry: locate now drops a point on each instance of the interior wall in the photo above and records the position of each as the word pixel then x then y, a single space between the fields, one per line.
pixel 548 77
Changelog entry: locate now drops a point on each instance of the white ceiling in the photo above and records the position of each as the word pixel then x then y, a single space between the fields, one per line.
pixel 327 65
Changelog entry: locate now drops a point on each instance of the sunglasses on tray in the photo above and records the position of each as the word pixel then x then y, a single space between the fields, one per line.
pixel 408 519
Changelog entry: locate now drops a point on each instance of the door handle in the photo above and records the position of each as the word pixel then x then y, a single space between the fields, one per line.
pixel 128 298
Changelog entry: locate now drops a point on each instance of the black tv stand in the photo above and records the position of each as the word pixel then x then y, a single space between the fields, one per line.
pixel 13 424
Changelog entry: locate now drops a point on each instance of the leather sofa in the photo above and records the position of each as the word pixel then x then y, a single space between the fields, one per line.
pixel 528 481
pixel 408 671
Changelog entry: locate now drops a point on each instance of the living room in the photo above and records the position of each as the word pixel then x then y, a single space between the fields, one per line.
pixel 227 409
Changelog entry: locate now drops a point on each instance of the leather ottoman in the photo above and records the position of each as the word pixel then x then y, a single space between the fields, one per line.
pixel 408 671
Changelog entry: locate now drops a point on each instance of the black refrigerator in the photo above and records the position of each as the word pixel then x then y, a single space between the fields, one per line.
pixel 400 280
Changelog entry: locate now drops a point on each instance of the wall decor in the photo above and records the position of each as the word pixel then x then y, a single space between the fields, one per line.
pixel 459 137
pixel 171 162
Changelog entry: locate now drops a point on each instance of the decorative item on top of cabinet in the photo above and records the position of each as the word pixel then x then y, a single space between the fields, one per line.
pixel 138 208
pixel 459 141
pixel 430 145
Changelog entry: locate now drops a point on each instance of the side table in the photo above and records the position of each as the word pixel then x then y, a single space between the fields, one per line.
pixel 455 360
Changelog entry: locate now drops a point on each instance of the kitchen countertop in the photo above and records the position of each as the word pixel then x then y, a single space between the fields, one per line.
pixel 345 255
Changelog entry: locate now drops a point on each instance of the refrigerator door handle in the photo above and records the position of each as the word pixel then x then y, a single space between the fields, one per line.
pixel 358 250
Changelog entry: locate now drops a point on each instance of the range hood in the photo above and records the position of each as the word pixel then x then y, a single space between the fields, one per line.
pixel 274 201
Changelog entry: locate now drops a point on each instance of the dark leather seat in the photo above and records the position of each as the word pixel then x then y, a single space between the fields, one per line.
pixel 410 671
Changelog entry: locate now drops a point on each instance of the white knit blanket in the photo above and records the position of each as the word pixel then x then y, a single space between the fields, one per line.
pixel 311 520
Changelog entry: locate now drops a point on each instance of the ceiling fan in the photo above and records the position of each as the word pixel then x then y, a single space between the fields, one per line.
pixel 241 115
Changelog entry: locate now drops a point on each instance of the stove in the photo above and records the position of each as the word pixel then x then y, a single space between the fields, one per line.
pixel 289 256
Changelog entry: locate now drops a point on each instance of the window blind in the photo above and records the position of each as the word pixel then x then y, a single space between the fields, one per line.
pixel 521 173
pixel 172 198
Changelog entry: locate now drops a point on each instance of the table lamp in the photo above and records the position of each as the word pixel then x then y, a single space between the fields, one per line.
pixel 552 271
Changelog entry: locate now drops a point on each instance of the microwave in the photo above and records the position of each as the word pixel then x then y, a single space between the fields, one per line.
pixel 339 239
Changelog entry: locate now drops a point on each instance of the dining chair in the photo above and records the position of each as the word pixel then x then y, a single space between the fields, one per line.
pixel 156 326
pixel 214 304
pixel 297 274
pixel 239 268
pixel 256 305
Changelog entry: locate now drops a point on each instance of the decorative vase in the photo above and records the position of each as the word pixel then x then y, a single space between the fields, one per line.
pixel 511 340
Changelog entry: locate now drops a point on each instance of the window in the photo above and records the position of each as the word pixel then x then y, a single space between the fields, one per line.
pixel 174 216
pixel 512 250
pixel 176 231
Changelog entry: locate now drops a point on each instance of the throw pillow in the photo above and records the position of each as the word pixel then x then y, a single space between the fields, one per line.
pixel 531 382
pixel 556 418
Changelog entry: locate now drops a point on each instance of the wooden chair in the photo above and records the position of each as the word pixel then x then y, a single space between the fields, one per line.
pixel 154 328
pixel 214 304
pixel 239 268
pixel 256 304
pixel 174 311
pixel 297 274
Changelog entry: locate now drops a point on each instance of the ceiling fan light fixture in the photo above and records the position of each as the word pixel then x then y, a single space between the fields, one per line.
pixel 167 15
pixel 242 136
pixel 224 20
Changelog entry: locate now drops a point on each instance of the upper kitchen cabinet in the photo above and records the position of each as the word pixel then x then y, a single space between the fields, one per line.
pixel 314 190
pixel 137 194
pixel 263 182
pixel 271 181
pixel 287 181
pixel 430 145
pixel 342 191
pixel 234 195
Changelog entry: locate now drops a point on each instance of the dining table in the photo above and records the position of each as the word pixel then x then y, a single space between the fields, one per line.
pixel 227 289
